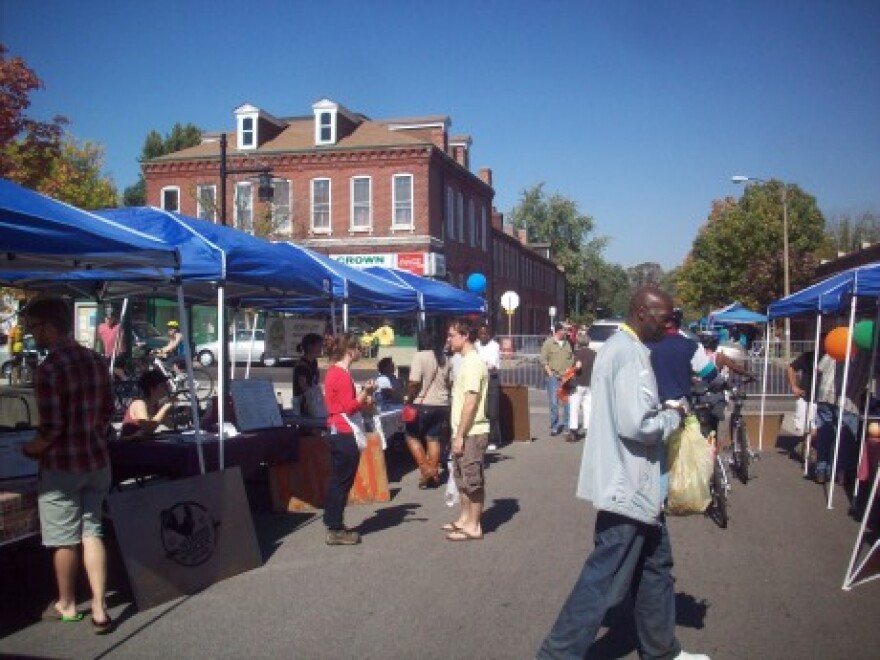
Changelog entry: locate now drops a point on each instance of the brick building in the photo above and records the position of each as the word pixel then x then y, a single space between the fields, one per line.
pixel 393 192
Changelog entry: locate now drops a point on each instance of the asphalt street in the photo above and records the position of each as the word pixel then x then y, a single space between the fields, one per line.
pixel 768 586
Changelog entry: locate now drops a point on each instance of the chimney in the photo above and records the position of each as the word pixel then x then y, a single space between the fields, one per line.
pixel 439 138
pixel 486 176
pixel 523 236
pixel 460 146
pixel 497 219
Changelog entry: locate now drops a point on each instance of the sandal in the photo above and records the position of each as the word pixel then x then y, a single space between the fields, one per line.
pixel 52 614
pixel 102 627
pixel 450 527
pixel 461 535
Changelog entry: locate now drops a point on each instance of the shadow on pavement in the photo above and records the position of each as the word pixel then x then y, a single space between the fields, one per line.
pixel 621 637
pixel 502 511
pixel 389 517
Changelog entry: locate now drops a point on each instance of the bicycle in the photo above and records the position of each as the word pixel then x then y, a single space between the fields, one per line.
pixel 708 407
pixel 203 382
pixel 742 452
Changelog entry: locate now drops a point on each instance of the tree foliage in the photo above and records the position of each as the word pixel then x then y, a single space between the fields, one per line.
pixel 848 233
pixel 738 253
pixel 593 286
pixel 180 137
pixel 27 146
pixel 40 155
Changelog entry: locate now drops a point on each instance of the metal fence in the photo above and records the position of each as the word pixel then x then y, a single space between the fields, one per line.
pixel 521 363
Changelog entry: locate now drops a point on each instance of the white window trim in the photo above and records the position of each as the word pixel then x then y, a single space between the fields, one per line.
pixel 369 226
pixel 412 201
pixel 199 209
pixel 241 185
pixel 255 141
pixel 322 230
pixel 289 229
pixel 162 198
pixel 333 123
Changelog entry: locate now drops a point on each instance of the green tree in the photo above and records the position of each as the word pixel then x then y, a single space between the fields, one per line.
pixel 738 253
pixel 180 137
pixel 592 285
pixel 848 233
pixel 75 176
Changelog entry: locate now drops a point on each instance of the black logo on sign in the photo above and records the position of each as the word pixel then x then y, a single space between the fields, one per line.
pixel 189 533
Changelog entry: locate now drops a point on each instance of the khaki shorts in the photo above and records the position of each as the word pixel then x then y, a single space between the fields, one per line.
pixel 70 505
pixel 467 469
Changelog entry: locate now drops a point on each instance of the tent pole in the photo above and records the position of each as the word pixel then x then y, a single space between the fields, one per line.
pixel 764 385
pixel 247 371
pixel 812 403
pixel 118 335
pixel 190 379
pixel 221 381
pixel 840 401
pixel 850 573
pixel 870 388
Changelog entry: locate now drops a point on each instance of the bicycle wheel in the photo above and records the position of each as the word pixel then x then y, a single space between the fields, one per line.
pixel 741 453
pixel 718 506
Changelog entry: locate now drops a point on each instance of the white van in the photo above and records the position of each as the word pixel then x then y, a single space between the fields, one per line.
pixel 601 330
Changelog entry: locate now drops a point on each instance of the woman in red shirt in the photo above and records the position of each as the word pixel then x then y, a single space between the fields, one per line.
pixel 342 401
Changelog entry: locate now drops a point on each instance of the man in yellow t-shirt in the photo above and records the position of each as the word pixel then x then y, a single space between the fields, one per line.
pixel 384 334
pixel 470 431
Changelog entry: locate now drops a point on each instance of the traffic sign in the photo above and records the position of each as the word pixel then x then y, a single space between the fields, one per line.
pixel 510 300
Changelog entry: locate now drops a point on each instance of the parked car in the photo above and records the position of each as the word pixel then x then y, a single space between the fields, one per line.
pixel 146 338
pixel 207 353
pixel 601 330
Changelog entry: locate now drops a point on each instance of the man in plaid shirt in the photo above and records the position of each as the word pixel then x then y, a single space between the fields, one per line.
pixel 73 394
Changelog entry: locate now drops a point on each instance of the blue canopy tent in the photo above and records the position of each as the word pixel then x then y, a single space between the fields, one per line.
pixel 356 291
pixel 216 255
pixel 434 297
pixel 734 314
pixel 42 239
pixel 831 296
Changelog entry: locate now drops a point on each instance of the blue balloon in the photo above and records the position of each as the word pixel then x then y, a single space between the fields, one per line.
pixel 476 283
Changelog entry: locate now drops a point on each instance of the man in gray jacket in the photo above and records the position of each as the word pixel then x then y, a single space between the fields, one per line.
pixel 621 475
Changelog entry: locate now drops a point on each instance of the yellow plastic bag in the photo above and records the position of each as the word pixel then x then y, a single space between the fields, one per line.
pixel 689 457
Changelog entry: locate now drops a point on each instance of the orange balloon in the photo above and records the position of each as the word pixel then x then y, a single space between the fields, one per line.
pixel 838 344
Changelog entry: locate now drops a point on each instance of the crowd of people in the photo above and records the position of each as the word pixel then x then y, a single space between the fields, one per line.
pixel 625 400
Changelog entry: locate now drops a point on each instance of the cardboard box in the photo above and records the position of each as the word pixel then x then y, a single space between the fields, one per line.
pixel 302 486
pixel 772 425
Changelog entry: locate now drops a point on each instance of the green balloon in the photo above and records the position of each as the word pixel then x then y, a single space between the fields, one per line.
pixel 863 335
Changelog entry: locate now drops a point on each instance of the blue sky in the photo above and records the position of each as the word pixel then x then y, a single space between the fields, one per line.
pixel 639 110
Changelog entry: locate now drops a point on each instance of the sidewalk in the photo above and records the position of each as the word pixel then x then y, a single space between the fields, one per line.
pixel 767 587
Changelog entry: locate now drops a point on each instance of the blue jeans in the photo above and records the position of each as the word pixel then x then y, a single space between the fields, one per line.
pixel 558 418
pixel 826 417
pixel 629 558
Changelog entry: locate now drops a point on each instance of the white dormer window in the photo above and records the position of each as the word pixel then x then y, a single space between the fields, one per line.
pixel 326 128
pixel 247 132
pixel 247 119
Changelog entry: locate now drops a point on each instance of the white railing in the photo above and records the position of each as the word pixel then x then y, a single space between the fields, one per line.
pixel 522 364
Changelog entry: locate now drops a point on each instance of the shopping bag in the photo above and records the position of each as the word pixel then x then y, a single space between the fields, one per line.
pixel 690 461
pixel 804 411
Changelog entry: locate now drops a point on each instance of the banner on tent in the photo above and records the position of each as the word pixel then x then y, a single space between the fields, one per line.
pixel 284 335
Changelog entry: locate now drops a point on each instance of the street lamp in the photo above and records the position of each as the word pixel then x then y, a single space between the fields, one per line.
pixel 264 189
pixel 744 180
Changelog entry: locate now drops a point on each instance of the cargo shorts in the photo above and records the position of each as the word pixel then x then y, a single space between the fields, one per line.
pixel 70 505
pixel 467 469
